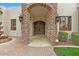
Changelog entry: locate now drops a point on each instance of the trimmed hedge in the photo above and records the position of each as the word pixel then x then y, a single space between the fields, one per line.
pixel 63 36
pixel 75 38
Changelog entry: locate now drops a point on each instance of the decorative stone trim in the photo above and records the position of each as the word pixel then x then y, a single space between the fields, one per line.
pixel 52 31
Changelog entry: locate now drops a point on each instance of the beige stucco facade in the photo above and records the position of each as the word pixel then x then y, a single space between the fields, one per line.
pixel 8 14
pixel 38 12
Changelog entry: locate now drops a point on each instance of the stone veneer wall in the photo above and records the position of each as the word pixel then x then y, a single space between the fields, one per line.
pixel 52 31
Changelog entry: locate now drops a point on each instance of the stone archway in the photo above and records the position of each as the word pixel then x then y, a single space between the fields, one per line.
pixel 48 13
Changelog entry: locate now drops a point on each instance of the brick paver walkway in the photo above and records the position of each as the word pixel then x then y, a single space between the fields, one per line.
pixel 15 48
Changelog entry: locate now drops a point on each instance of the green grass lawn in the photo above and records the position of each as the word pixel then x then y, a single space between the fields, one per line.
pixel 66 51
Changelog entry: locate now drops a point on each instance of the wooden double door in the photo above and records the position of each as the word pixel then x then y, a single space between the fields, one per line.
pixel 39 27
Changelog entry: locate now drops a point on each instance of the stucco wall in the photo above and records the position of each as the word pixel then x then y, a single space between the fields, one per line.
pixel 63 9
pixel 8 14
pixel 69 9
pixel 14 13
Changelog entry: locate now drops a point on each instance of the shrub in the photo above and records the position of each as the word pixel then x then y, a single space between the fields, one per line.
pixel 73 33
pixel 75 38
pixel 63 36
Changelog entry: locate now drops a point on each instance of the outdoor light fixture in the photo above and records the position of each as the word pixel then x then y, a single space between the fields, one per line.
pixel 20 18
pixel 77 5
pixel 57 19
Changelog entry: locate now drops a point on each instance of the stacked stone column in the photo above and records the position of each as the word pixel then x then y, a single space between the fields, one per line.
pixel 25 25
pixel 53 26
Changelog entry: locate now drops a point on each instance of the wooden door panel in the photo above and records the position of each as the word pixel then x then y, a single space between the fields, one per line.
pixel 39 27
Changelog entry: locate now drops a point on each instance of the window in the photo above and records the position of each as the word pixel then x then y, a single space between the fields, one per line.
pixel 65 23
pixel 13 24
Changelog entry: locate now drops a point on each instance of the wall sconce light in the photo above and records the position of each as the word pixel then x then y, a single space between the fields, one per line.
pixel 20 18
pixel 57 19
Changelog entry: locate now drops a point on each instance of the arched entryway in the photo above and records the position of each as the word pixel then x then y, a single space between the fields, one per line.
pixel 39 18
pixel 39 28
